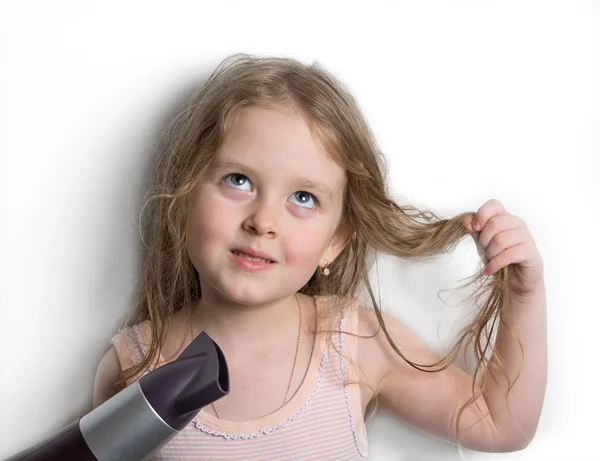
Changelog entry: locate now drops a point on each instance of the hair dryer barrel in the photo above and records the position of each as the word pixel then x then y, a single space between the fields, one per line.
pixel 144 416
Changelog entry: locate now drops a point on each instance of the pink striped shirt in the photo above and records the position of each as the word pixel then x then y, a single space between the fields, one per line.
pixel 322 421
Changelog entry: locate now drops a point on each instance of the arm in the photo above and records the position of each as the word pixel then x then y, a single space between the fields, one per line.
pixel 426 401
pixel 528 318
pixel 106 374
pixel 431 401
pixel 506 241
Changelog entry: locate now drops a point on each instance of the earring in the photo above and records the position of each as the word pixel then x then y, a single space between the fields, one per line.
pixel 324 271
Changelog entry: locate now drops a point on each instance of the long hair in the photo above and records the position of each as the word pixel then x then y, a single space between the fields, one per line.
pixel 169 281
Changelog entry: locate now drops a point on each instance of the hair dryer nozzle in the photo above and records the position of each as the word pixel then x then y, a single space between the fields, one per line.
pixel 198 377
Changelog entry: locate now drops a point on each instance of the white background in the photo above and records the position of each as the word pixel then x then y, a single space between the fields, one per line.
pixel 469 100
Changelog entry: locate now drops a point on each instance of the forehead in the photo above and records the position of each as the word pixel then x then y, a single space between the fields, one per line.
pixel 279 144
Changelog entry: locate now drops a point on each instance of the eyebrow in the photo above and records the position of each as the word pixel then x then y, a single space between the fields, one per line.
pixel 301 182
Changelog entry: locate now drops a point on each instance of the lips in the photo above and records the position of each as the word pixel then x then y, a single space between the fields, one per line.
pixel 254 253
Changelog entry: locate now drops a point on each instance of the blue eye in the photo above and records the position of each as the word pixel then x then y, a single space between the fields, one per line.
pixel 239 175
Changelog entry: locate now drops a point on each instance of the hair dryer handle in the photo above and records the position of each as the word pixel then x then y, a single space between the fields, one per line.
pixel 68 443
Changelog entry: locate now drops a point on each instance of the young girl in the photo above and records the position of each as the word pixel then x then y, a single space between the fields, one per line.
pixel 268 206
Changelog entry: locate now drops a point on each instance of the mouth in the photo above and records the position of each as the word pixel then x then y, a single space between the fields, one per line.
pixel 251 257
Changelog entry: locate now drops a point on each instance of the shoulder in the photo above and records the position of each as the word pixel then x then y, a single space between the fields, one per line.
pixel 129 346
pixel 127 349
pixel 135 341
pixel 376 355
pixel 362 341
pixel 369 343
pixel 131 343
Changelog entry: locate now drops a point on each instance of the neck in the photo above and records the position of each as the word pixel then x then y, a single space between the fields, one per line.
pixel 231 324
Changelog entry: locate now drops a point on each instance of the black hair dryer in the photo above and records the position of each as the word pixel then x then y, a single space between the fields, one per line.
pixel 136 422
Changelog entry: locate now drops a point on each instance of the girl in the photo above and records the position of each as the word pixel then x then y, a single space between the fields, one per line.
pixel 268 206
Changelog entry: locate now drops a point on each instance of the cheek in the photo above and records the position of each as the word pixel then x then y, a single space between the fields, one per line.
pixel 210 222
pixel 306 246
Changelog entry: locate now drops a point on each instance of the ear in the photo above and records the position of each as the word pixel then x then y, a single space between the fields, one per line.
pixel 337 244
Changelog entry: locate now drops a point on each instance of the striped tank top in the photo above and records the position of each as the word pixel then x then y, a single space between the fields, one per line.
pixel 322 421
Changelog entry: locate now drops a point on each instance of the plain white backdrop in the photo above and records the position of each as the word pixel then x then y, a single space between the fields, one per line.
pixel 469 100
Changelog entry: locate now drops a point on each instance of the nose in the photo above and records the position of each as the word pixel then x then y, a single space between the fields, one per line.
pixel 262 218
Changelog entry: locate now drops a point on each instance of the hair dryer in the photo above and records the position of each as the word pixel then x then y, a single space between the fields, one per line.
pixel 133 424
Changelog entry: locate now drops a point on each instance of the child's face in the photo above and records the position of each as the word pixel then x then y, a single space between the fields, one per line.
pixel 263 207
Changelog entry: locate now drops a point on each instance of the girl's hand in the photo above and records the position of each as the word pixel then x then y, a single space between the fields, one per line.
pixel 507 242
